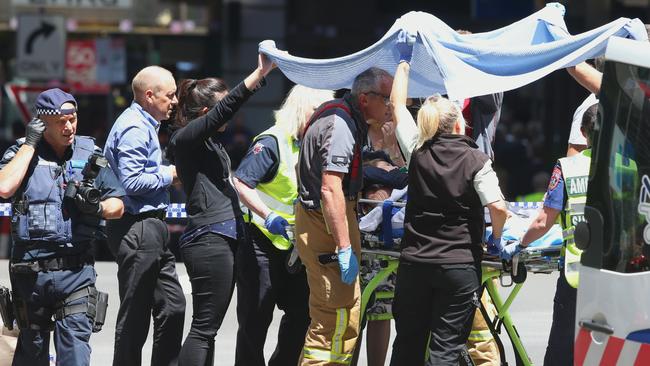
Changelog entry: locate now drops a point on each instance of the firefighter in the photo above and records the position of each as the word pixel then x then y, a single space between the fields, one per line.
pixel 327 232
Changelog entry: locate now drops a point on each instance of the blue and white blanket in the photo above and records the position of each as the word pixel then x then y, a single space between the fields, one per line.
pixel 464 66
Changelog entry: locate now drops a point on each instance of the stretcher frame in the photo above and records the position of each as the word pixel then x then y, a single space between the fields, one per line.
pixel 490 271
pixel 536 260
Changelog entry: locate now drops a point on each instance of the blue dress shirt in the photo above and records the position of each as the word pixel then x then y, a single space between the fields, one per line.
pixel 133 151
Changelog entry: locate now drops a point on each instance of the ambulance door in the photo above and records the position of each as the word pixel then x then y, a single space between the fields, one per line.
pixel 613 307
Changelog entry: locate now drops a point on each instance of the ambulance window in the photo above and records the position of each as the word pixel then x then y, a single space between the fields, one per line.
pixel 629 168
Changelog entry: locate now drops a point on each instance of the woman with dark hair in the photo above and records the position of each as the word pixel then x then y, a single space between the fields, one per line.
pixel 214 218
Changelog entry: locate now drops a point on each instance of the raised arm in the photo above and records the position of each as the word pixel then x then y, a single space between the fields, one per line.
pixel 207 125
pixel 587 76
pixel 15 162
pixel 13 173
pixel 405 128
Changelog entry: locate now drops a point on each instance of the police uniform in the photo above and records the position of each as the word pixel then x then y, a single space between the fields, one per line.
pixel 51 267
pixel 262 278
pixel 332 142
pixel 567 192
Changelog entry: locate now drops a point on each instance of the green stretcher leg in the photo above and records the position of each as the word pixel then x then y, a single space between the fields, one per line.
pixel 503 314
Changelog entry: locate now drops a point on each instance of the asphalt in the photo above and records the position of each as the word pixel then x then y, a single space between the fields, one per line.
pixel 531 312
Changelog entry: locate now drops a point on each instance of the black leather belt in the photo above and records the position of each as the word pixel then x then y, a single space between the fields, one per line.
pixel 52 264
pixel 156 214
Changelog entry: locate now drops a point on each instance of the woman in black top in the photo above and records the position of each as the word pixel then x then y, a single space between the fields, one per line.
pixel 214 217
pixel 439 275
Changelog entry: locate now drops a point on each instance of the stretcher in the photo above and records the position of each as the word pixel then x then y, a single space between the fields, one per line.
pixel 542 256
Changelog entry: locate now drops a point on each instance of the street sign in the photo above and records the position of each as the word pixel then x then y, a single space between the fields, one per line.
pixel 41 47
pixel 24 98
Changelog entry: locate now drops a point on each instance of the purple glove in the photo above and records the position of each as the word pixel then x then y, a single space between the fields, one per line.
pixel 494 245
pixel 404 44
pixel 511 250
pixel 276 224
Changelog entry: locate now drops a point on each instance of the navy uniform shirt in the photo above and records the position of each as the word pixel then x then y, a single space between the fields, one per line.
pixel 332 143
pixel 261 162
pixel 555 196
pixel 106 182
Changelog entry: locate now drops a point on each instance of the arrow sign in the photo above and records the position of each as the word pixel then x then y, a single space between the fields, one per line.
pixel 45 30
pixel 40 47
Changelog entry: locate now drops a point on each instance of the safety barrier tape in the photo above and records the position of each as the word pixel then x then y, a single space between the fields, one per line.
pixel 177 210
pixel 174 210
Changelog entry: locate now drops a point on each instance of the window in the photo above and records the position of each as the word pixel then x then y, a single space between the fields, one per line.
pixel 625 103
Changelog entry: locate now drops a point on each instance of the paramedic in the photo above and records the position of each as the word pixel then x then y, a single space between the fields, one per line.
pixel 566 196
pixel 266 183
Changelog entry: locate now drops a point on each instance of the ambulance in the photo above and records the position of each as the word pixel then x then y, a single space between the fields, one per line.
pixel 613 305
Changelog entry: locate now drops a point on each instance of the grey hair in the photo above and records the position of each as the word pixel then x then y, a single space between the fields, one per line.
pixel 369 80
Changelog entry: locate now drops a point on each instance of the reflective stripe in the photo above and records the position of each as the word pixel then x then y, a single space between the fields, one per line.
pixel 47 163
pixel 575 171
pixel 279 193
pixel 327 356
pixel 341 325
pixel 274 204
pixel 480 335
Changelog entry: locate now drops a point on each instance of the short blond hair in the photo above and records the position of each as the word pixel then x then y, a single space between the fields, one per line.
pixel 292 115
pixel 437 115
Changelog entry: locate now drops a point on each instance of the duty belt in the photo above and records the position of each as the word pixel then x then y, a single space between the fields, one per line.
pixel 52 264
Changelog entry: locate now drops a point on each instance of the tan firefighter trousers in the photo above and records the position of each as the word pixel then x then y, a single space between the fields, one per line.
pixel 482 346
pixel 333 306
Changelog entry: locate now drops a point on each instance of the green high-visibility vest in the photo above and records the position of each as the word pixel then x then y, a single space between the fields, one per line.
pixel 531 197
pixel 280 192
pixel 575 172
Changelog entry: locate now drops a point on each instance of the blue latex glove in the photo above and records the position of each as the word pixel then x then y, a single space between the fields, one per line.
pixel 510 250
pixel 494 246
pixel 276 224
pixel 404 44
pixel 348 264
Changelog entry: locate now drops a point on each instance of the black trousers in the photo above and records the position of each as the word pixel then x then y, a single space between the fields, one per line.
pixel 435 304
pixel 559 350
pixel 148 286
pixel 210 260
pixel 262 283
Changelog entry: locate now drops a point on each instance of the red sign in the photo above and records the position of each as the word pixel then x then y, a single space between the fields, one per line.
pixel 24 97
pixel 81 66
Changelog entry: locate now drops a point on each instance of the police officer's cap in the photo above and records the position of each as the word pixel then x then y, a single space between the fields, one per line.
pixel 50 101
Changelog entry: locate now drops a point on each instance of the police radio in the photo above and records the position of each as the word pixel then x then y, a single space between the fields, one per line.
pixel 85 188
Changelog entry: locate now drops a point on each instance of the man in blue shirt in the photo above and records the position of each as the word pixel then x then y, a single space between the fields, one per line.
pixel 146 267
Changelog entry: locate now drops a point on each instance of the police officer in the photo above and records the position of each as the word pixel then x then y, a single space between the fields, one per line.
pixel 51 268
pixel 566 196
pixel 329 176
pixel 266 183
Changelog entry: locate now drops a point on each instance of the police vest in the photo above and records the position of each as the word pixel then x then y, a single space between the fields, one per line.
pixel 575 172
pixel 38 212
pixel 280 192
